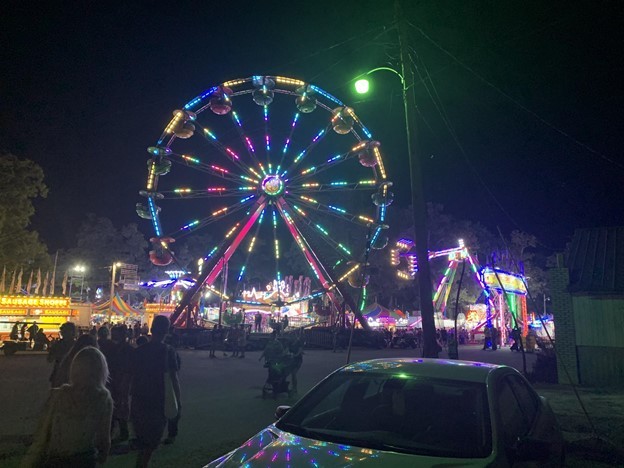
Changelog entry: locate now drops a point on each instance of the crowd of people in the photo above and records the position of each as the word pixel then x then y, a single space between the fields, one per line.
pixel 102 383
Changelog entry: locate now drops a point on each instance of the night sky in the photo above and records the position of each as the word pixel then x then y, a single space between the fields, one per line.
pixel 525 132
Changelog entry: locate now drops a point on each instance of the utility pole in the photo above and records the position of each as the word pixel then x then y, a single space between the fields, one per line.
pixel 419 207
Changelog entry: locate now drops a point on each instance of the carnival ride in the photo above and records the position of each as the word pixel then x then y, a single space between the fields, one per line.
pixel 504 292
pixel 283 150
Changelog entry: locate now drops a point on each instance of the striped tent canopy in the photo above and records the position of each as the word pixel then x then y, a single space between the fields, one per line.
pixel 120 307
pixel 376 310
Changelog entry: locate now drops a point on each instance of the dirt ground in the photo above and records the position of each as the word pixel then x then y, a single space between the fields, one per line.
pixel 222 405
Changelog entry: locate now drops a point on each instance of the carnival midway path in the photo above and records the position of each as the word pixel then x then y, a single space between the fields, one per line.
pixel 223 405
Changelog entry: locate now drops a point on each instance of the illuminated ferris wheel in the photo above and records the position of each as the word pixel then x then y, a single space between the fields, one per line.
pixel 269 162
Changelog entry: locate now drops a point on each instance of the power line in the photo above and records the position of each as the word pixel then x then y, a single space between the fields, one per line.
pixel 517 103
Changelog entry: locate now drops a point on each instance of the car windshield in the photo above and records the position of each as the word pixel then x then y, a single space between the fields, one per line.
pixel 400 413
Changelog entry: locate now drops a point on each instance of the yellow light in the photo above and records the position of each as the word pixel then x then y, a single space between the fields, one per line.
pixel 229 84
pixel 359 146
pixel 231 231
pixel 218 212
pixel 289 81
pixel 365 219
pixel 308 199
pixel 251 244
pixel 379 162
pixel 349 272
pixel 311 184
pixel 151 176
pixel 176 118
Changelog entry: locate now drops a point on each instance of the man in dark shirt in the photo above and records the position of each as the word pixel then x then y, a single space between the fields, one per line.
pixel 119 362
pixel 147 411
pixel 59 349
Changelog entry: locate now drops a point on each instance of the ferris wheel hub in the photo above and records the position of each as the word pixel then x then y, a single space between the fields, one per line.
pixel 273 185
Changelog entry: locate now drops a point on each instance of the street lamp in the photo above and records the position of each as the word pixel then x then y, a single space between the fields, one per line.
pixel 419 207
pixel 112 289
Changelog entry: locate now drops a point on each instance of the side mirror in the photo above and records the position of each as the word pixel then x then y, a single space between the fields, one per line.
pixel 281 411
pixel 530 449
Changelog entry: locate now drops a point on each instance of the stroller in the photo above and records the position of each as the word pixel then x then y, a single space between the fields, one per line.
pixel 279 368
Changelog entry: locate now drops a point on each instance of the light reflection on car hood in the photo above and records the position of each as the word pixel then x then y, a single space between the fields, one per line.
pixel 276 448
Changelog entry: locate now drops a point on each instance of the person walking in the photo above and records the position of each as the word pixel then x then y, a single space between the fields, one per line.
pixel 151 361
pixel 233 335
pixel 59 349
pixel 295 348
pixel 75 427
pixel 14 335
pixel 32 332
pixel 104 343
pixel 63 372
pixel 119 362
pixel 41 341
pixel 487 337
pixel 215 334
pixel 173 423
pixel 242 341
pixel 258 322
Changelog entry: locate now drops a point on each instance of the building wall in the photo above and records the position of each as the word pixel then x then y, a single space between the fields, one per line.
pixel 563 315
pixel 599 323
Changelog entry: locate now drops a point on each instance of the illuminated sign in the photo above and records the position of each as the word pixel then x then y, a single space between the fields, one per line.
pixel 510 282
pixel 159 308
pixel 35 302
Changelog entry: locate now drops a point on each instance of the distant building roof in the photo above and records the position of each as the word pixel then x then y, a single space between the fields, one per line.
pixel 596 260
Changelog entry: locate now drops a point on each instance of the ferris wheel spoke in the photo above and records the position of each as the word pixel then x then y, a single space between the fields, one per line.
pixel 249 250
pixel 311 171
pixel 247 143
pixel 226 151
pixel 306 151
pixel 276 249
pixel 212 169
pixel 209 192
pixel 286 146
pixel 315 264
pixel 217 215
pixel 343 251
pixel 333 210
pixel 335 186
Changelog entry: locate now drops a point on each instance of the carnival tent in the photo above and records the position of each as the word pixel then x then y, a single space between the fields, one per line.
pixel 376 310
pixel 120 307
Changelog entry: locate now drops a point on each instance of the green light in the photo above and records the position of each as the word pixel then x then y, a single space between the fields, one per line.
pixel 362 86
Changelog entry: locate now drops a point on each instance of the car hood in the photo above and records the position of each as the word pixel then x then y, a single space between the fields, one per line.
pixel 276 448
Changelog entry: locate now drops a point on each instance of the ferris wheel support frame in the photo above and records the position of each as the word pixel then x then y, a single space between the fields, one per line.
pixel 324 277
pixel 211 274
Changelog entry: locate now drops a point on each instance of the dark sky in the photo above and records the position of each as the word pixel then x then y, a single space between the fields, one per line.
pixel 531 93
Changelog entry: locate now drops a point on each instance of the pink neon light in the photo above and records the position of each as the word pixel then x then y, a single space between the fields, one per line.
pixel 283 209
pixel 251 148
pixel 216 270
pixel 232 153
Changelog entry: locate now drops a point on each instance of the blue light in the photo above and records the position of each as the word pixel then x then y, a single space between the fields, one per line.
pixel 327 95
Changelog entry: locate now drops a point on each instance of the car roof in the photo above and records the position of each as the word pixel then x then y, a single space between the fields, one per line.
pixel 468 371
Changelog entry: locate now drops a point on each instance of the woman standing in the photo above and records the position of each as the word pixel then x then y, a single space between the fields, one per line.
pixel 75 427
